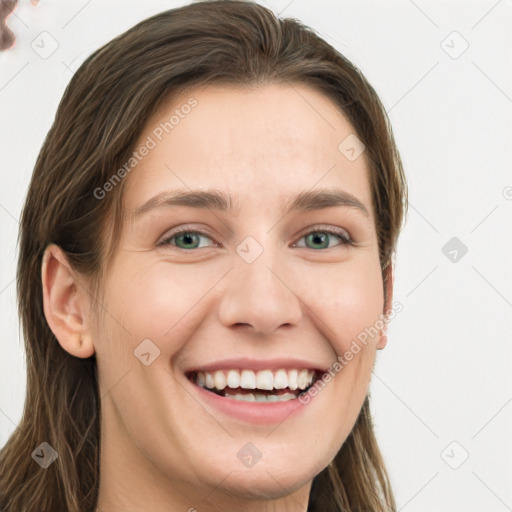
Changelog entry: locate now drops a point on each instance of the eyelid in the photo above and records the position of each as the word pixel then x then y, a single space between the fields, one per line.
pixel 183 229
pixel 326 228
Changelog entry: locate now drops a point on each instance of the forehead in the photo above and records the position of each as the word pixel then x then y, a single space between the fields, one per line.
pixel 264 142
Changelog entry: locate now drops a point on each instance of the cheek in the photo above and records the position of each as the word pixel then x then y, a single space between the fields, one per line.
pixel 347 304
pixel 349 309
pixel 156 300
pixel 348 301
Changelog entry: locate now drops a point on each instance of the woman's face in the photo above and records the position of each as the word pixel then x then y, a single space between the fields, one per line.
pixel 256 289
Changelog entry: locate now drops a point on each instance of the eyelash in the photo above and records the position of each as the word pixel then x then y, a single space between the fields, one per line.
pixel 344 239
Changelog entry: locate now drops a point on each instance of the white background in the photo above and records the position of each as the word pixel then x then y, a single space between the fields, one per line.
pixel 445 374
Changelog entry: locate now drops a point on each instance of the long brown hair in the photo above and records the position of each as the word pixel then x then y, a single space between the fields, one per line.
pixel 98 122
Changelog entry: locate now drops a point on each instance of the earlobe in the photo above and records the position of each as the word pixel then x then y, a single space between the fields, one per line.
pixel 387 306
pixel 66 304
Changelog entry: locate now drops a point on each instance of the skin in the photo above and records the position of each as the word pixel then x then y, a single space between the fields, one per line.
pixel 161 448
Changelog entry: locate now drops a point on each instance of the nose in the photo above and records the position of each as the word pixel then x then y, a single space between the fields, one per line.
pixel 260 296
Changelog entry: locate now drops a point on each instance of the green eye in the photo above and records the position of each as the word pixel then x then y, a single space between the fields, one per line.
pixel 320 239
pixel 187 239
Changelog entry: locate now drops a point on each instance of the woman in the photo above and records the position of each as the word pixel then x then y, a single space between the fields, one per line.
pixel 205 264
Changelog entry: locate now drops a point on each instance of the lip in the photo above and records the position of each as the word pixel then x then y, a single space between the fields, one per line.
pixel 256 413
pixel 258 364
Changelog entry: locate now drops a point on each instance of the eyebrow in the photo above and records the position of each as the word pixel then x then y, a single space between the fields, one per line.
pixel 215 200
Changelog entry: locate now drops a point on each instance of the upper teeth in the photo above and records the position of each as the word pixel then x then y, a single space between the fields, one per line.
pixel 263 379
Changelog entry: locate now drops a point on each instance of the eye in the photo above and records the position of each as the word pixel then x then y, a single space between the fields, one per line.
pixel 185 239
pixel 320 238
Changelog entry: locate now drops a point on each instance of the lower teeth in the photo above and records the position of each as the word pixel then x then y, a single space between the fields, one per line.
pixel 259 397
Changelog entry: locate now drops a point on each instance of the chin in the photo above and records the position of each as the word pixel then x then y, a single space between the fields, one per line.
pixel 263 485
pixel 267 481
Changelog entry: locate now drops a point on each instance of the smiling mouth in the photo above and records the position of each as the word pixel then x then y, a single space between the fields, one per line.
pixel 261 386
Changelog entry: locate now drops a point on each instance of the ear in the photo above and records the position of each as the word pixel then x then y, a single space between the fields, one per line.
pixel 387 306
pixel 66 303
